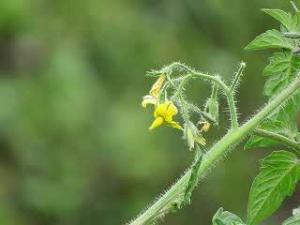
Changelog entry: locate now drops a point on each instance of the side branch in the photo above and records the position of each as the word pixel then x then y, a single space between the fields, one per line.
pixel 191 73
pixel 277 137
pixel 216 80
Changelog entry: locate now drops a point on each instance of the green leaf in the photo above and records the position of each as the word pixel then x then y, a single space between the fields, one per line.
pixel 262 142
pixel 279 63
pixel 282 69
pixel 282 62
pixel 295 219
pixel 282 122
pixel 278 176
pixel 226 218
pixel 289 21
pixel 287 118
pixel 271 39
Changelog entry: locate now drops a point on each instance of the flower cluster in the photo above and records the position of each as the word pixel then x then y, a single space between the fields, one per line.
pixel 166 108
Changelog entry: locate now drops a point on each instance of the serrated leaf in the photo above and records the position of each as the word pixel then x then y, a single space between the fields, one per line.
pixel 271 39
pixel 278 63
pixel 275 84
pixel 289 21
pixel 277 178
pixel 293 220
pixel 226 218
pixel 282 122
pixel 287 118
pixel 282 69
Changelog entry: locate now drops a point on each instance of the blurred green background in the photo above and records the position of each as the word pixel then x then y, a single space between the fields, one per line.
pixel 74 141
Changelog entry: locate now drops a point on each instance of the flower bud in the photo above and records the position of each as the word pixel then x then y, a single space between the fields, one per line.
pixel 156 87
pixel 192 135
pixel 212 108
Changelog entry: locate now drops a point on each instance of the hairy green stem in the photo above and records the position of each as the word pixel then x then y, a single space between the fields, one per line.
pixel 216 80
pixel 228 94
pixel 294 6
pixel 237 77
pixel 217 152
pixel 278 137
pixel 191 73
pixel 203 113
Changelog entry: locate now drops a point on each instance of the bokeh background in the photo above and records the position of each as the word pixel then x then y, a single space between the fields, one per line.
pixel 74 141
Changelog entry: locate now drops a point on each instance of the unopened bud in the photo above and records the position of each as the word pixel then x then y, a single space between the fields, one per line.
pixel 192 135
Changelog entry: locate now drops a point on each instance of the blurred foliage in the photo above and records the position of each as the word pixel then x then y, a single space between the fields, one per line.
pixel 74 141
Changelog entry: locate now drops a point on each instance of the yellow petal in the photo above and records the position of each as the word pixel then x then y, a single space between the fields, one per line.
pixel 171 110
pixel 165 112
pixel 160 110
pixel 155 89
pixel 174 124
pixel 148 99
pixel 156 123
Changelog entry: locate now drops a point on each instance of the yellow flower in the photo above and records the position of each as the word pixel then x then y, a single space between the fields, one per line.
pixel 164 113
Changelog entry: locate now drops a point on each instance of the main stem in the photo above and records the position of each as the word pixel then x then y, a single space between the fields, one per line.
pixel 232 138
